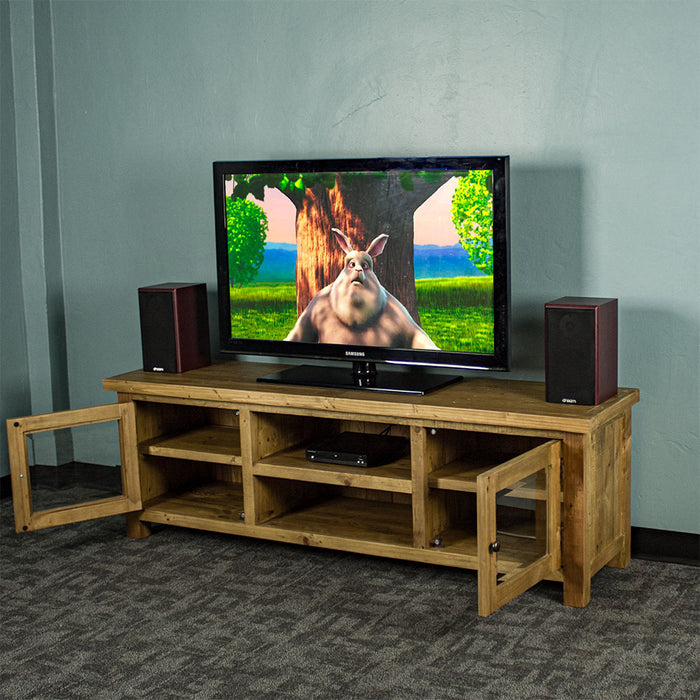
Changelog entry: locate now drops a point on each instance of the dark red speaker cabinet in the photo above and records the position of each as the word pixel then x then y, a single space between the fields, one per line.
pixel 174 327
pixel 580 350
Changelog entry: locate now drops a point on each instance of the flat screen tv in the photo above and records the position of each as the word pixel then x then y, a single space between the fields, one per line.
pixel 394 265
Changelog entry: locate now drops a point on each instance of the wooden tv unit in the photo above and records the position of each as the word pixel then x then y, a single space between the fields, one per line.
pixel 495 479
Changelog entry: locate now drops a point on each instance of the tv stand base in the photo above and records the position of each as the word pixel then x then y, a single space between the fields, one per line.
pixel 495 478
pixel 364 376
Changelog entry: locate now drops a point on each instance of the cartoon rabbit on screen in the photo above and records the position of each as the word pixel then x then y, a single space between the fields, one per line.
pixel 356 309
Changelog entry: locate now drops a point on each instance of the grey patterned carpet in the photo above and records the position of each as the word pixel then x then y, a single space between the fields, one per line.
pixel 89 613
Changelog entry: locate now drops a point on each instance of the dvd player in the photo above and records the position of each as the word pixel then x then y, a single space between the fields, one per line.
pixel 358 449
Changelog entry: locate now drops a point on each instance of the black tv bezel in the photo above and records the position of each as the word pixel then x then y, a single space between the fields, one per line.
pixel 499 360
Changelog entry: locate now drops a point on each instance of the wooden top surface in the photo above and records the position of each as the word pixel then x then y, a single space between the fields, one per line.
pixel 483 401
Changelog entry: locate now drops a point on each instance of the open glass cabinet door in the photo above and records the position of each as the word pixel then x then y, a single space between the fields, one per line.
pixel 518 528
pixel 19 429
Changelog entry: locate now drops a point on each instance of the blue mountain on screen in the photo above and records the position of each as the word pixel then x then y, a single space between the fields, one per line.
pixel 279 264
pixel 430 261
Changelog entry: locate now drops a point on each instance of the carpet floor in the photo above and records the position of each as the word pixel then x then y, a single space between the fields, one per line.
pixel 89 613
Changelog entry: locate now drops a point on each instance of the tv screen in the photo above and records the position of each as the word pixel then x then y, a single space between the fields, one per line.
pixel 383 260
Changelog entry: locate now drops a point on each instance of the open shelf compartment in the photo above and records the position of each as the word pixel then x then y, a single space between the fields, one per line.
pixel 216 506
pixel 351 519
pixel 343 514
pixel 208 443
pixel 279 450
pixel 190 433
pixel 292 464
pixel 190 465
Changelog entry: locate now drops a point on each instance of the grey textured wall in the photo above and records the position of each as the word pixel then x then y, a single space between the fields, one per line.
pixel 115 111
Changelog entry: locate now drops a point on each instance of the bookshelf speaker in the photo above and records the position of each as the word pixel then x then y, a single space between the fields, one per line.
pixel 174 327
pixel 580 350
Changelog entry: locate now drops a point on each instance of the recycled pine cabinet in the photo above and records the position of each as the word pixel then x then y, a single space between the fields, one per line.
pixel 493 478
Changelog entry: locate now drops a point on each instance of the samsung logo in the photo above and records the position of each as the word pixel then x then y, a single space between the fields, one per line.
pixel 354 353
pixel 568 400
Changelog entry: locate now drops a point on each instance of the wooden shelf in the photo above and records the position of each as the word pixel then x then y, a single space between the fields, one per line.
pixel 353 520
pixel 209 443
pixel 292 464
pixel 215 506
pixel 460 474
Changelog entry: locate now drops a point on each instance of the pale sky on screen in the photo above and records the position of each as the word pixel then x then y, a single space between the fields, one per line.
pixel 432 220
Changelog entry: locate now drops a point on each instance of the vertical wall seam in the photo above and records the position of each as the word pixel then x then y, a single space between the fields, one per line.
pixel 53 253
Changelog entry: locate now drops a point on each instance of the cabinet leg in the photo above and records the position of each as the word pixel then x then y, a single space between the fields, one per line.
pixel 577 593
pixel 624 488
pixel 623 558
pixel 135 528
pixel 575 545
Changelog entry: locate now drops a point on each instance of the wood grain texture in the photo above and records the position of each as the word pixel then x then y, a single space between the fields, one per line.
pixel 210 443
pixel 502 403
pixel 213 449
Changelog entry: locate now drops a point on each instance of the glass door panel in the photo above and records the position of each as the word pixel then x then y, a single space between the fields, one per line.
pixel 518 537
pixel 44 495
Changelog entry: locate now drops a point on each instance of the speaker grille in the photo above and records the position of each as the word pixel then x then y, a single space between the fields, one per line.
pixel 571 355
pixel 158 341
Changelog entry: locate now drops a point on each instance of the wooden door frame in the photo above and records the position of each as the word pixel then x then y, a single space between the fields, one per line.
pixel 493 594
pixel 26 518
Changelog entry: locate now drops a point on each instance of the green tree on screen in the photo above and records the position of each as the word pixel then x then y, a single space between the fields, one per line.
pixel 472 215
pixel 363 205
pixel 247 227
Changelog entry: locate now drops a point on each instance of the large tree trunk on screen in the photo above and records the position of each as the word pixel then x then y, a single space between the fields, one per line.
pixel 363 207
